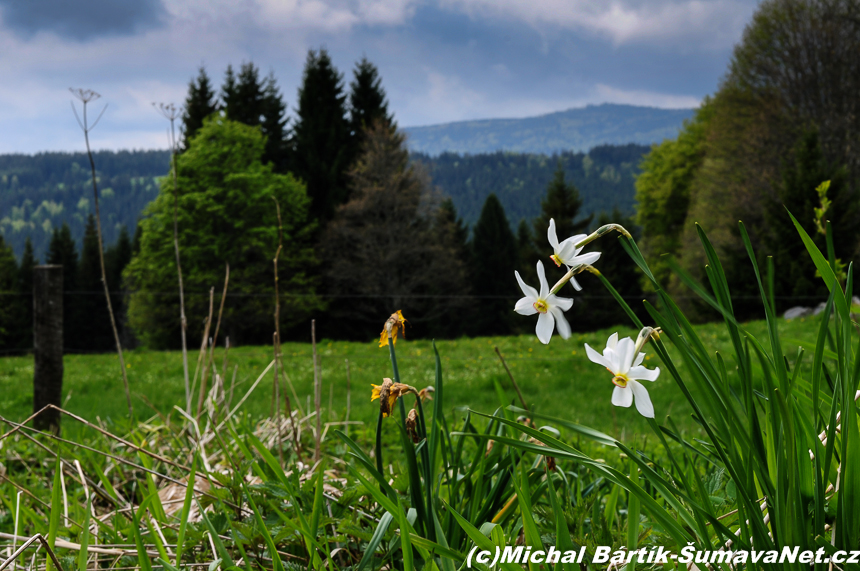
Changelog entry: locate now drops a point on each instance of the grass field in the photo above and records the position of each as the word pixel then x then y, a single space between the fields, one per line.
pixel 556 379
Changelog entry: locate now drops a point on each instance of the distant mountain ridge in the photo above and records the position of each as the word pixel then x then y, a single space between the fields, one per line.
pixel 578 130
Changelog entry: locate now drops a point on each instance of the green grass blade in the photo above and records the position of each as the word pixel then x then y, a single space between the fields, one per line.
pixel 222 552
pixel 56 510
pixel 83 554
pixel 267 537
pixel 186 509
pixel 375 540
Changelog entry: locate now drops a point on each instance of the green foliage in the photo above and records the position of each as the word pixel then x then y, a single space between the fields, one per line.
pixel 321 136
pixel 226 216
pixel 200 103
pixel 494 259
pixel 663 190
pixel 795 275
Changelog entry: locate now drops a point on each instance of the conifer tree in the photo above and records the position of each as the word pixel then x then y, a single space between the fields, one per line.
pixel 494 260
pixel 367 102
pixel 402 254
pixel 200 103
pixel 256 102
pixel 24 329
pixel 117 258
pixel 91 318
pixel 9 301
pixel 62 251
pixel 275 126
pixel 322 136
pixel 562 203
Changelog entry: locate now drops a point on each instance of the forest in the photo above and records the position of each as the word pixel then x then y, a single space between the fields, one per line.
pixel 324 167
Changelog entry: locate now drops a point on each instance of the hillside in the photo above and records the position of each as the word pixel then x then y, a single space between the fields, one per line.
pixel 605 177
pixel 577 129
pixel 41 192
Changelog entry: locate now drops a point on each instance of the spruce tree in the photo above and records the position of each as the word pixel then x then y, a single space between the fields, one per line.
pixel 275 126
pixel 200 103
pixel 9 300
pixel 25 292
pixel 117 258
pixel 243 95
pixel 62 251
pixel 494 260
pixel 367 102
pixel 562 203
pixel 256 102
pixel 92 330
pixel 322 136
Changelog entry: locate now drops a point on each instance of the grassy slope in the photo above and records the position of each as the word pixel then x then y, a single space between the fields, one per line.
pixel 556 379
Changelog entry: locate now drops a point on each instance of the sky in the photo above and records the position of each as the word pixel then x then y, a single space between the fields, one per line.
pixel 440 60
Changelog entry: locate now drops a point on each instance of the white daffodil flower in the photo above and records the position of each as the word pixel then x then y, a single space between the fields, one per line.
pixel 550 307
pixel 618 358
pixel 567 253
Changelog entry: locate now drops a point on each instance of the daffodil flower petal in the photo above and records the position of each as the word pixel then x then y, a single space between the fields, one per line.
pixel 622 397
pixel 528 290
pixel 642 374
pixel 567 249
pixel 596 357
pixel 544 288
pixel 545 325
pixel 643 401
pixel 612 342
pixel 639 358
pixel 552 236
pixel 624 350
pixel 560 322
pixel 588 258
pixel 564 303
pixel 526 306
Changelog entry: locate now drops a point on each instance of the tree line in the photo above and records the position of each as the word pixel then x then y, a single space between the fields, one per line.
pixel 359 228
pixel 784 120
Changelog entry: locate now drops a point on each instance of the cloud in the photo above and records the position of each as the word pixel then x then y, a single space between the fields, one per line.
pixel 81 21
pixel 717 23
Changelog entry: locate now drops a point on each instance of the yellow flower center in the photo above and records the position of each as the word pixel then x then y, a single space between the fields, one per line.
pixel 620 380
pixel 541 306
pixel 556 259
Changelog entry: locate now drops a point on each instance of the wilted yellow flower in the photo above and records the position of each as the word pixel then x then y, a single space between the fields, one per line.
pixel 392 325
pixel 388 393
pixel 412 426
pixel 424 394
pixel 550 460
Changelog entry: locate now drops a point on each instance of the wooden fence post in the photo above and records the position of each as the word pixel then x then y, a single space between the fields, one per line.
pixel 47 345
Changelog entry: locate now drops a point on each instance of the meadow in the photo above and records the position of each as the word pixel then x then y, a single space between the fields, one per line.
pixel 556 379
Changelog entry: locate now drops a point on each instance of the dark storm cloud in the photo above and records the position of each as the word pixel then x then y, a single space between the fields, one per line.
pixel 81 20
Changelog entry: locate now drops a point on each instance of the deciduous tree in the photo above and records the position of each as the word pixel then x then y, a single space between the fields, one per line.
pixel 226 215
